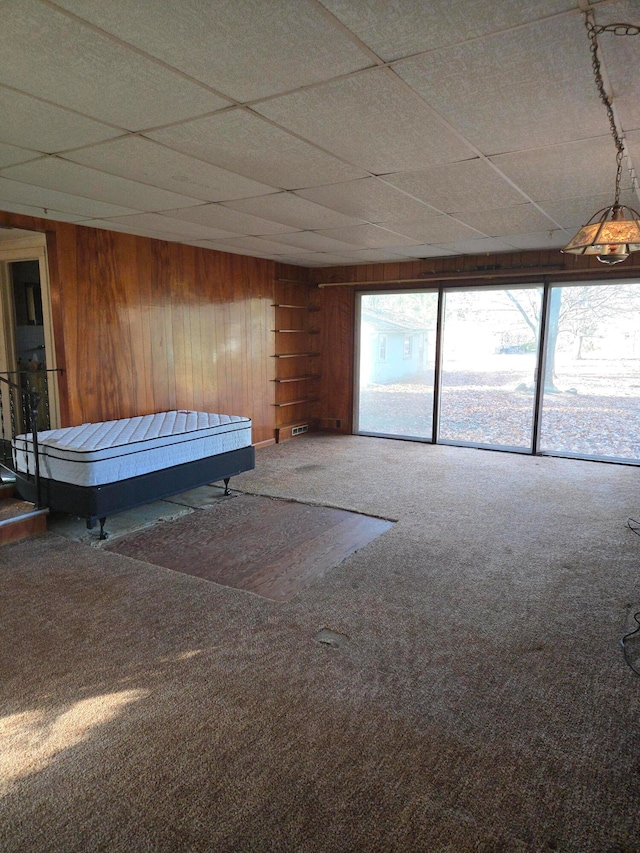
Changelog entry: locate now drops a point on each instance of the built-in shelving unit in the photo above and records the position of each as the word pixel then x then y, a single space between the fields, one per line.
pixel 296 381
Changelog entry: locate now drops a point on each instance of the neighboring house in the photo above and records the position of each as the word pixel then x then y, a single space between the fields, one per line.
pixel 394 348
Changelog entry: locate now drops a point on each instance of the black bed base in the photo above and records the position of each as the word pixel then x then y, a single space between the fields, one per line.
pixel 97 502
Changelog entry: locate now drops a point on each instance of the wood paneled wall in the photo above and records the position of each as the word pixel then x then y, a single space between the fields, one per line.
pixel 143 325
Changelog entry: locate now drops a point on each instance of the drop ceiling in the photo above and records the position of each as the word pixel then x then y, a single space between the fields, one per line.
pixel 317 132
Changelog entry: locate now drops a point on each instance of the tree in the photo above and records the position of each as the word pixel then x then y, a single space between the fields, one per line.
pixel 577 311
pixel 420 306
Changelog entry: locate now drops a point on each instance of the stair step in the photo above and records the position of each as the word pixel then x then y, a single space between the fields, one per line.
pixel 20 519
pixel 7 475
pixel 7 490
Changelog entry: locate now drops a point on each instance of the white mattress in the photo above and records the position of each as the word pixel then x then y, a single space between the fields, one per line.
pixel 97 453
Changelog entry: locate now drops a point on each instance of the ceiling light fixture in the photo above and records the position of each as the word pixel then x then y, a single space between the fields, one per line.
pixel 613 232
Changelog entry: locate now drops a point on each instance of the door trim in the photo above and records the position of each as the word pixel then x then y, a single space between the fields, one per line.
pixel 29 248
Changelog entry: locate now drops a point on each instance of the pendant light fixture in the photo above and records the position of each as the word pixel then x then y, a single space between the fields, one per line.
pixel 613 232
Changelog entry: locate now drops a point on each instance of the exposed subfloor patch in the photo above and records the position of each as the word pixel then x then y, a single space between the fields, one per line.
pixel 271 547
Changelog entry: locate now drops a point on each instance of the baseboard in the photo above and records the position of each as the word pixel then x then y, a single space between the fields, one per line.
pixel 264 443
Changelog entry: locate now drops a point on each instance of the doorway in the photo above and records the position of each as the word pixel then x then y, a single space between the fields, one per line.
pixel 489 359
pixel 397 346
pixel 539 368
pixel 27 354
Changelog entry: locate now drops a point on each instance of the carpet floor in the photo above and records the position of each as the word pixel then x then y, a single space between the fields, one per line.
pixel 476 699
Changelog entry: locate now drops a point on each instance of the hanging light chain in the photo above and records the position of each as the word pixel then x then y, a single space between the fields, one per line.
pixel 620 30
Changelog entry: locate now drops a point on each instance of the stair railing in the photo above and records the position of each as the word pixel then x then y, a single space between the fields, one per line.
pixel 14 400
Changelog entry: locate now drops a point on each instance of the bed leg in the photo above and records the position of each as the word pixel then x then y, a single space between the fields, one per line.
pixel 103 532
pixel 91 523
pixel 227 490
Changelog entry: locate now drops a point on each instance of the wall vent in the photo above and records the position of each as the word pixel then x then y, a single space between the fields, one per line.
pixel 300 429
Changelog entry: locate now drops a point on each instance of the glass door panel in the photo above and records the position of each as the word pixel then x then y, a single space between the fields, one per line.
pixel 396 364
pixel 488 377
pixel 591 395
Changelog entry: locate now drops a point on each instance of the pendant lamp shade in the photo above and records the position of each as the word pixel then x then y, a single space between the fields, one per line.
pixel 611 234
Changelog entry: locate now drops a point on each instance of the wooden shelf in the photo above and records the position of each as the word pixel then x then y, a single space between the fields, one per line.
pixel 307 376
pixel 296 355
pixel 296 385
pixel 299 331
pixel 296 402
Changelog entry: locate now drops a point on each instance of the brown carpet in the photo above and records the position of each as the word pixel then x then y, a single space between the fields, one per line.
pixel 478 700
pixel 274 548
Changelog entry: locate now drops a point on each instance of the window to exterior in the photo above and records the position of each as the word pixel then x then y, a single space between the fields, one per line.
pixel 382 348
pixel 490 383
pixel 488 374
pixel 396 363
pixel 591 402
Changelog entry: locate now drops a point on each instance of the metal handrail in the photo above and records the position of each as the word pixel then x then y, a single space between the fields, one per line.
pixel 28 372
pixel 31 401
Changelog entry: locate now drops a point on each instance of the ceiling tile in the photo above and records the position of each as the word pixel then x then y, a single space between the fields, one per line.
pixel 124 228
pixel 621 59
pixel 569 170
pixel 171 225
pixel 632 141
pixel 521 89
pixel 9 155
pixel 371 256
pixel 217 216
pixel 242 142
pixel 404 27
pixel 312 242
pixel 573 213
pixel 232 250
pixel 46 199
pixel 509 220
pixel 142 160
pixel 72 65
pixel 259 244
pixel 371 199
pixel 485 245
pixel 293 210
pixel 28 210
pixel 424 251
pixel 431 228
pixel 452 188
pixel 31 123
pixel 57 174
pixel 368 236
pixel 371 120
pixel 318 259
pixel 290 44
pixel 539 240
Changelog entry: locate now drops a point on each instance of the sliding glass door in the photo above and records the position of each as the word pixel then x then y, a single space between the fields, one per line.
pixel 591 402
pixel 461 366
pixel 396 363
pixel 489 357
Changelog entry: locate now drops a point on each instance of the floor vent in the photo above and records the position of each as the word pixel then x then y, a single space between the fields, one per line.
pixel 300 429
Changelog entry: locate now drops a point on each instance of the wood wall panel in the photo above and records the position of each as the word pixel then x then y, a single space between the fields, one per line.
pixel 144 325
pixel 336 318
